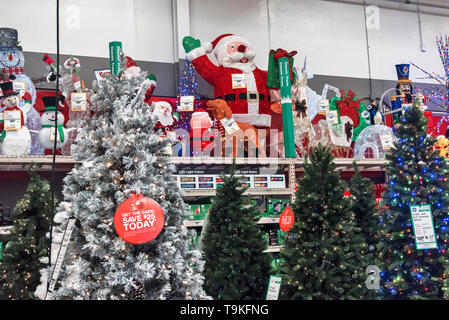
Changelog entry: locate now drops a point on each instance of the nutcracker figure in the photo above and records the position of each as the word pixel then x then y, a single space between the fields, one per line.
pixel 404 93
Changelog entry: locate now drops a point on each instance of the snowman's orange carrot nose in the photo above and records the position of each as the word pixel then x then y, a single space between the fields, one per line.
pixel 10 57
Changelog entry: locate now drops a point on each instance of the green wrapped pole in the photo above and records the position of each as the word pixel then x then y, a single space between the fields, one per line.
pixel 280 76
pixel 115 47
pixel 286 103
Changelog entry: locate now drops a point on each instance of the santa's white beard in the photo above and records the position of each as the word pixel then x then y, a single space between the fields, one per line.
pixel 162 118
pixel 233 61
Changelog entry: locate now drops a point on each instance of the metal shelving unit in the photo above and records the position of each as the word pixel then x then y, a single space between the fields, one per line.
pixel 290 168
pixel 200 223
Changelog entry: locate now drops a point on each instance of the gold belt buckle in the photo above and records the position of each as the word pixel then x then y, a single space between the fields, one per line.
pixel 256 99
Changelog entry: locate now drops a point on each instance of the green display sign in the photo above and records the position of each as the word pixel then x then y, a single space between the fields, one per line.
pixel 115 48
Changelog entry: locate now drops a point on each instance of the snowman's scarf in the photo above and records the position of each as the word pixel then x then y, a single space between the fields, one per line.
pixel 60 130
pixel 3 132
pixel 15 70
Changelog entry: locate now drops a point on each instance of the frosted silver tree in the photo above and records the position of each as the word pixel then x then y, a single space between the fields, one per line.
pixel 121 154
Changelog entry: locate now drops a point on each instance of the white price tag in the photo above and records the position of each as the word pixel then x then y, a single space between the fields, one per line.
pixel 423 227
pixel 52 135
pixel 238 81
pixel 186 103
pixel 323 106
pixel 230 125
pixel 12 119
pixel 387 141
pixel 19 87
pixel 332 116
pixel 273 288
pixel 78 101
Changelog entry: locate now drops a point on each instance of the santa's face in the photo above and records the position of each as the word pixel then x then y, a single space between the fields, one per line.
pixel 162 112
pixel 11 101
pixel 239 56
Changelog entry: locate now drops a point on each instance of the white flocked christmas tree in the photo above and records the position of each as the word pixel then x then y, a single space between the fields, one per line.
pixel 120 154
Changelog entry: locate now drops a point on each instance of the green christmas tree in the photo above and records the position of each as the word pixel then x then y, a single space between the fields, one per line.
pixel 22 260
pixel 323 254
pixel 236 268
pixel 418 176
pixel 365 207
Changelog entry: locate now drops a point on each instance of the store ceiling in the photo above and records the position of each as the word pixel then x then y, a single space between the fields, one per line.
pixel 435 7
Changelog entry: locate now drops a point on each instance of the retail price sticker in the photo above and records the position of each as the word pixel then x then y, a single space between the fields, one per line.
pixel 78 101
pixel 230 125
pixel 19 87
pixel 186 103
pixel 12 119
pixel 387 141
pixel 332 116
pixel 423 227
pixel 274 286
pixel 238 81
pixel 323 106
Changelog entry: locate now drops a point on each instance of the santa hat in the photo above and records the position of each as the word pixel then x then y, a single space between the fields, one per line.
pixel 202 113
pixel 131 67
pixel 218 46
pixel 163 103
pixel 199 112
pixel 129 62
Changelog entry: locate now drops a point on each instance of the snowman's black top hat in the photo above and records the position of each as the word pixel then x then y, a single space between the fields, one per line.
pixel 51 103
pixel 6 90
pixel 9 38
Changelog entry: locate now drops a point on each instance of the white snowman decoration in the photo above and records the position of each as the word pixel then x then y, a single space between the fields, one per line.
pixel 15 138
pixel 12 62
pixel 49 124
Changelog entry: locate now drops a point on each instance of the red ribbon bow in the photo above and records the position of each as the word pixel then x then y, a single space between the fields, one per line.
pixel 348 107
pixel 281 53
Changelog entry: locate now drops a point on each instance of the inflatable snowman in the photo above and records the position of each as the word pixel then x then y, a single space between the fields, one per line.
pixel 15 138
pixel 48 120
pixel 12 61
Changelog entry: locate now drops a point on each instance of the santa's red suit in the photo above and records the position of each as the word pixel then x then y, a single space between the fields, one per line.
pixel 245 92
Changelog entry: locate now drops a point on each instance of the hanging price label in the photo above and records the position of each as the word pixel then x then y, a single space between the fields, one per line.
pixel 78 101
pixel 387 141
pixel 332 116
pixel 423 227
pixel 323 106
pixel 52 135
pixel 238 81
pixel 230 125
pixel 286 219
pixel 274 286
pixel 186 103
pixel 12 119
pixel 19 87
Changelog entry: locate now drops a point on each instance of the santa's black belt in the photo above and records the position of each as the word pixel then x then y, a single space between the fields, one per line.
pixel 244 96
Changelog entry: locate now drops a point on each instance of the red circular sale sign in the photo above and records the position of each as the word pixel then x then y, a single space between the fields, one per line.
pixel 286 219
pixel 139 219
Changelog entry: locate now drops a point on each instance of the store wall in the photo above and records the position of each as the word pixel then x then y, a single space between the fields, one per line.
pixel 331 35
pixel 86 27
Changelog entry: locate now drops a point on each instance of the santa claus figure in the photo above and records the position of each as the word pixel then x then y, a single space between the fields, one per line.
pixel 236 79
pixel 200 133
pixel 163 113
